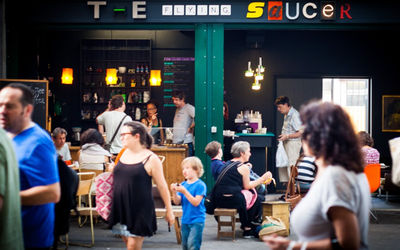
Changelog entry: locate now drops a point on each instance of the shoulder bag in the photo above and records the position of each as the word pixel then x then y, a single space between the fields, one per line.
pixel 209 201
pixel 292 196
pixel 108 145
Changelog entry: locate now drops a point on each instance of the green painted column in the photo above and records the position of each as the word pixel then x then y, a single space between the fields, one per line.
pixel 209 90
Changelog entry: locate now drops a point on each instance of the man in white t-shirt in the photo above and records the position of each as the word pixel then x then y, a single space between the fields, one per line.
pixel 59 136
pixel 109 121
pixel 183 121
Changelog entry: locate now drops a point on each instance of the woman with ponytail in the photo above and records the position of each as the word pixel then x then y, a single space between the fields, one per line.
pixel 132 212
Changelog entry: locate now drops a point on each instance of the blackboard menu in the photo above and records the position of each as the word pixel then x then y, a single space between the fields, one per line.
pixel 40 94
pixel 178 74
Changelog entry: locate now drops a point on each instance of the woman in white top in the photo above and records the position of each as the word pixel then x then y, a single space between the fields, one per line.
pixel 335 212
pixel 92 154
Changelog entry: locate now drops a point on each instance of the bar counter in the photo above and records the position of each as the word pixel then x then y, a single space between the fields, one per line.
pixel 172 163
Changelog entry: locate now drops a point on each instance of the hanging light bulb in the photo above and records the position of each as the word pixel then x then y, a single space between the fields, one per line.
pixel 256 85
pixel 259 76
pixel 67 76
pixel 249 71
pixel 111 76
pixel 262 68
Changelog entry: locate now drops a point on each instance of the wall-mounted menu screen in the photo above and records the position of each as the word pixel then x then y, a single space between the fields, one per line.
pixel 178 74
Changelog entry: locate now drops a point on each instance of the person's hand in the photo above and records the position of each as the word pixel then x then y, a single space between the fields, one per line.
pixel 283 137
pixel 267 177
pixel 249 165
pixel 154 117
pixel 170 217
pixel 173 187
pixel 180 188
pixel 275 242
pixel 190 130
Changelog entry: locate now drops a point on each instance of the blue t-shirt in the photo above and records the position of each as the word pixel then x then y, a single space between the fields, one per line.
pixel 192 214
pixel 216 168
pixel 38 166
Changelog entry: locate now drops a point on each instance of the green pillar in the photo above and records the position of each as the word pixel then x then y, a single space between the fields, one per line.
pixel 209 90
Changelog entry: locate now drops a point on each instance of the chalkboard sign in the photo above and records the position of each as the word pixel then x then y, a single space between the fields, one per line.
pixel 40 94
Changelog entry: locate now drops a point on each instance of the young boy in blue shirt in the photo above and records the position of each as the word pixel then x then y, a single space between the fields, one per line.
pixel 190 194
pixel 214 150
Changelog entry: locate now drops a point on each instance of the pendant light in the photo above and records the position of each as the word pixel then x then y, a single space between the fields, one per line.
pixel 111 76
pixel 67 76
pixel 258 76
pixel 155 77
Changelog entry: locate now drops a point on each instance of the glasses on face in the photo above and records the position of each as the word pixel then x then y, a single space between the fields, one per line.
pixel 123 134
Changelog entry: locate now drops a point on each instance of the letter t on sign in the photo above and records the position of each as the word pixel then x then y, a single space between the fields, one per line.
pixel 96 8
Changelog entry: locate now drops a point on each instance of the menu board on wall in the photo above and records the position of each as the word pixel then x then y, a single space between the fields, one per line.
pixel 178 74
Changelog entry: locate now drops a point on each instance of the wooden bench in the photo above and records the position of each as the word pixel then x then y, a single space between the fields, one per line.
pixel 162 212
pixel 218 212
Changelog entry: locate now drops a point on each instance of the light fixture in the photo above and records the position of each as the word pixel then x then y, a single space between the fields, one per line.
pixel 111 76
pixel 258 75
pixel 67 76
pixel 155 77
pixel 256 85
pixel 249 71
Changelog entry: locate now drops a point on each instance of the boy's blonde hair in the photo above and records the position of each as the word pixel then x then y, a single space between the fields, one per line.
pixel 195 163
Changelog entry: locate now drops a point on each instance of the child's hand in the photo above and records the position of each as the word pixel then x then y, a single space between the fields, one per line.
pixel 180 188
pixel 173 187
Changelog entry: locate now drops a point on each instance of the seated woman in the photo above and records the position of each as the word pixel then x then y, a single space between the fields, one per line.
pixel 228 193
pixel 92 154
pixel 371 155
pixel 153 123
pixel 307 170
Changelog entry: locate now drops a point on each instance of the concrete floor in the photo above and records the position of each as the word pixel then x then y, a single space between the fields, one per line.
pixel 382 235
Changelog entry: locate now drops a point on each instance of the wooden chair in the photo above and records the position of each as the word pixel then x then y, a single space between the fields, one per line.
pixel 86 180
pixel 373 173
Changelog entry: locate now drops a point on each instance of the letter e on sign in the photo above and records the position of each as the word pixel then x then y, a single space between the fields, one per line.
pixel 255 10
pixel 328 11
pixel 275 10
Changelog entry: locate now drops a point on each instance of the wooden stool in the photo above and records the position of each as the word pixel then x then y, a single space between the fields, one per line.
pixel 162 212
pixel 218 212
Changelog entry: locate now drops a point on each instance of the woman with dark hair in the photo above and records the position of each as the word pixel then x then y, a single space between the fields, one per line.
pixel 335 212
pixel 92 155
pixel 153 123
pixel 371 155
pixel 132 212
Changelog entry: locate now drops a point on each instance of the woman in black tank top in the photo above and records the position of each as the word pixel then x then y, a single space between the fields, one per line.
pixel 132 212
pixel 228 192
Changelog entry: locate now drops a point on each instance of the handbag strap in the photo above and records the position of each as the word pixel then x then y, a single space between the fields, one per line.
pixel 116 131
pixel 224 172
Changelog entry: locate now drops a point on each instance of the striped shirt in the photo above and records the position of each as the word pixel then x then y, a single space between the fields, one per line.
pixel 307 170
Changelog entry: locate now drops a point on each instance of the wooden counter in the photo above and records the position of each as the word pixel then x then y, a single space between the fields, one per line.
pixel 172 164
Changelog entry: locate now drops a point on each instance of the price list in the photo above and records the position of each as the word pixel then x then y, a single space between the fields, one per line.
pixel 178 74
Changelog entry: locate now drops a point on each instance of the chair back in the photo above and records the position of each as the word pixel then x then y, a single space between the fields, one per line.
pixel 373 173
pixel 85 183
pixel 97 172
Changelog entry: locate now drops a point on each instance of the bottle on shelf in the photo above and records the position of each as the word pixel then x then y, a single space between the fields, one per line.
pixel 141 69
pixel 137 114
pixel 146 69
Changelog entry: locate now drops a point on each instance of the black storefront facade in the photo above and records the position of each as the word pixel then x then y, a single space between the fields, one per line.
pixel 296 39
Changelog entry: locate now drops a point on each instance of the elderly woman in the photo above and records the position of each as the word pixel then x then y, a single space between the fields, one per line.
pixel 335 212
pixel 371 155
pixel 228 193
